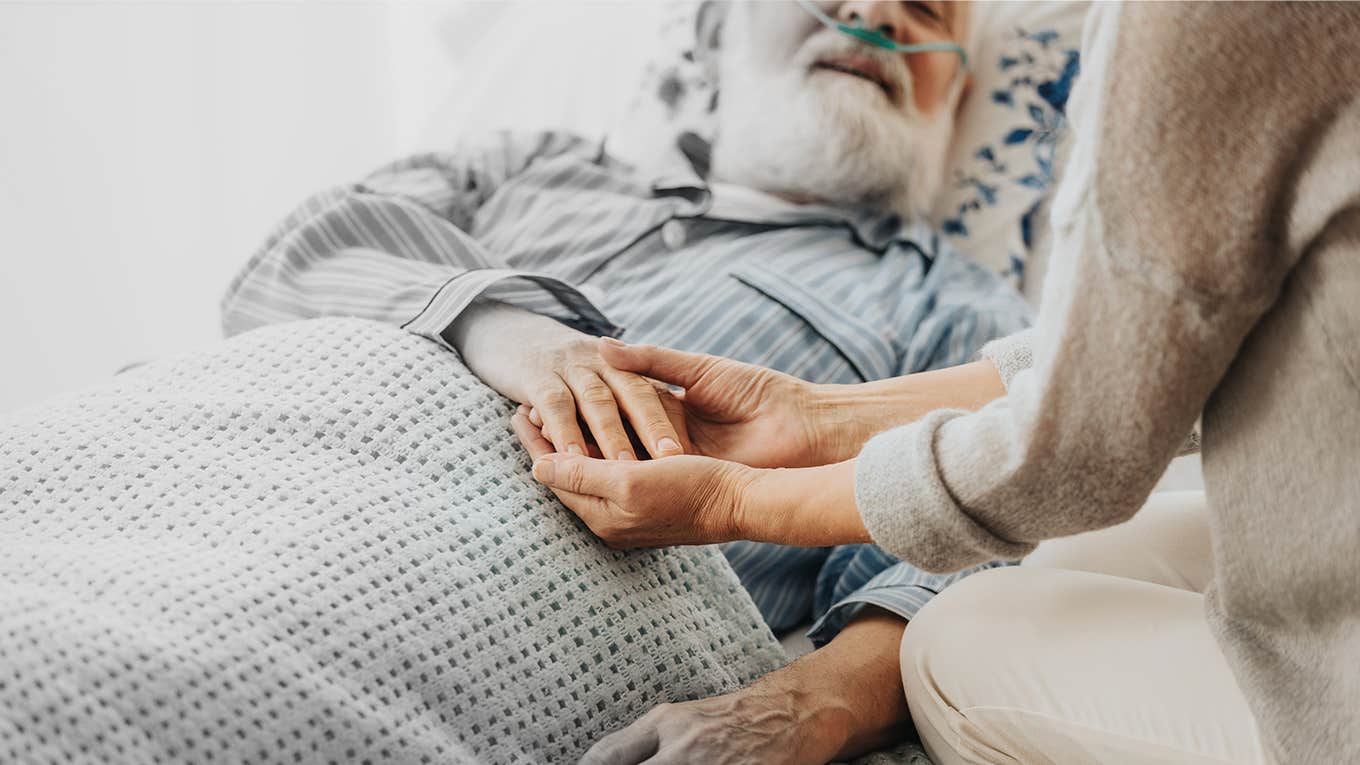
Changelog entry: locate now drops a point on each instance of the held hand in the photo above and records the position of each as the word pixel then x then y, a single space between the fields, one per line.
pixel 735 411
pixel 763 418
pixel 678 500
pixel 558 371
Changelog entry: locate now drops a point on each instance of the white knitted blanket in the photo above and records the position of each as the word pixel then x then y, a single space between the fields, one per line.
pixel 319 542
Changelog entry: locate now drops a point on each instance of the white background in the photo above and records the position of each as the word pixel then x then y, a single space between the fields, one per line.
pixel 147 148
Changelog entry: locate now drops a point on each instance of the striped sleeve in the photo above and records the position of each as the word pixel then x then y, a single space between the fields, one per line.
pixel 856 576
pixel 394 248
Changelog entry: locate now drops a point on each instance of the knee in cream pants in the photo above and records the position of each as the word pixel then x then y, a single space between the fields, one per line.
pixel 1094 650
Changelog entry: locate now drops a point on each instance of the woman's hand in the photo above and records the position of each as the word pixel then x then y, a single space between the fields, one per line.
pixel 763 418
pixel 687 499
pixel 681 500
pixel 735 411
pixel 558 371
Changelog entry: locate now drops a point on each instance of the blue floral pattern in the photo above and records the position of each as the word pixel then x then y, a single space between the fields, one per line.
pixel 1037 76
pixel 993 186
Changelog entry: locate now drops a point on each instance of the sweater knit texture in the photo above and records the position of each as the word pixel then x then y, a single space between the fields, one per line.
pixel 1206 259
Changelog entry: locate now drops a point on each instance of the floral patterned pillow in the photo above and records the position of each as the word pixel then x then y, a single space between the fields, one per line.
pixel 1002 161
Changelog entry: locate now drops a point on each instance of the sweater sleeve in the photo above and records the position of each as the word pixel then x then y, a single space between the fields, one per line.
pixel 1156 283
pixel 1013 354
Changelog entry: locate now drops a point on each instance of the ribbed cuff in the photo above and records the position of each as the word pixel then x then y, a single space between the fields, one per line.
pixel 547 295
pixel 1012 354
pixel 909 511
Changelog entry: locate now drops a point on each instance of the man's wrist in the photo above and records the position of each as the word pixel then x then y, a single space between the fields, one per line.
pixel 848 695
pixel 826 719
pixel 503 345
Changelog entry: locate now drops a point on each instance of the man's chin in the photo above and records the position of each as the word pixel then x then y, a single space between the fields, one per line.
pixel 845 98
pixel 826 138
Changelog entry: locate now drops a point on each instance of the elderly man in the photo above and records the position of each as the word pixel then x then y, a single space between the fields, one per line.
pixel 803 248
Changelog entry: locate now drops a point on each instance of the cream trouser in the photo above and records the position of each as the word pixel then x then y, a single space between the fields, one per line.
pixel 1095 649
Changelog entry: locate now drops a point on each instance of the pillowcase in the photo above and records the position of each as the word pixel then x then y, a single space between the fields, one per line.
pixel 1024 59
pixel 1001 167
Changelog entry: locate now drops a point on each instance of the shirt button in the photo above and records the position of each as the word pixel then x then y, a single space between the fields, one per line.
pixel 673 234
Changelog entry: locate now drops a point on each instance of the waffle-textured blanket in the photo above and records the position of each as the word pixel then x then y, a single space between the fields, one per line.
pixel 318 542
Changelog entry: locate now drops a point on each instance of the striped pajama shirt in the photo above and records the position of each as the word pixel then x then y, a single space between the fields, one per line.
pixel 551 223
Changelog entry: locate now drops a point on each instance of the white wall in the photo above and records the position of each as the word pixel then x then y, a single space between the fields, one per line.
pixel 146 148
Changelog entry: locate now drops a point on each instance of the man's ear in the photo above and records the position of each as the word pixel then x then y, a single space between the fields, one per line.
pixel 708 22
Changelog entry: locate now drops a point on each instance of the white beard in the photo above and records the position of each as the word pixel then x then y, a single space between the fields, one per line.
pixel 827 137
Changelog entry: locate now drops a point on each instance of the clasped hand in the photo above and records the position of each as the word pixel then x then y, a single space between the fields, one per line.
pixel 576 394
pixel 734 418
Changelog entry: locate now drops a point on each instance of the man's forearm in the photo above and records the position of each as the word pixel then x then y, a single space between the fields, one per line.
pixel 853 414
pixel 490 336
pixel 851 690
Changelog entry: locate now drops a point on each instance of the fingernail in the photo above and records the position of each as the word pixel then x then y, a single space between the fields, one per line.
pixel 575 449
pixel 543 470
pixel 667 445
pixel 626 455
pixel 615 342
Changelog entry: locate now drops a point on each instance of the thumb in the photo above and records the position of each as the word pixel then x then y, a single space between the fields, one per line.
pixel 665 364
pixel 576 474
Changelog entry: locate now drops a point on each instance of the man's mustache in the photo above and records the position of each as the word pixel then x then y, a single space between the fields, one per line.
pixel 827 45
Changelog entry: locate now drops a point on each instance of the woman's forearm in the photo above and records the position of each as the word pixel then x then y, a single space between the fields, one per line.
pixel 852 414
pixel 812 507
pixel 804 507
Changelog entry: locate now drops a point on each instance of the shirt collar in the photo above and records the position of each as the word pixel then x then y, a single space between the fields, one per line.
pixel 680 173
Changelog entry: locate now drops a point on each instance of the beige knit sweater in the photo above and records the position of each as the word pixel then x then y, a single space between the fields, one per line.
pixel 1206 258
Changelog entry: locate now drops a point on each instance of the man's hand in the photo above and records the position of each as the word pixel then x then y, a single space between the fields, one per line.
pixel 836 703
pixel 558 371
pixel 754 725
pixel 681 500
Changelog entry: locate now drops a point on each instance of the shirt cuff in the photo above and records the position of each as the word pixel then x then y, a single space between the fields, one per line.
pixel 535 292
pixel 908 509
pixel 1012 354
pixel 901 590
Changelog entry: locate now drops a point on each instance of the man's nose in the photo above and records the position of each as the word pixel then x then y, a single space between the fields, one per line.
pixel 886 18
